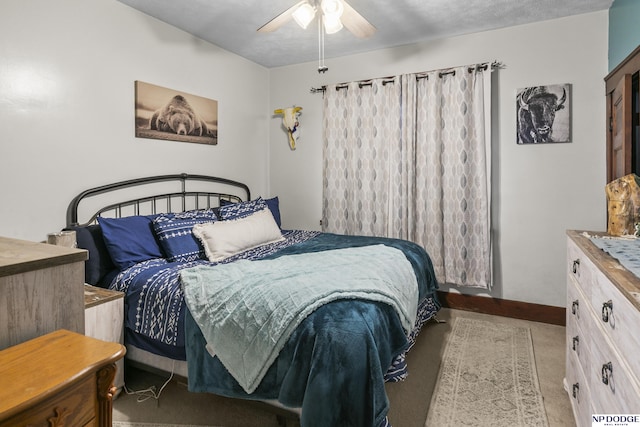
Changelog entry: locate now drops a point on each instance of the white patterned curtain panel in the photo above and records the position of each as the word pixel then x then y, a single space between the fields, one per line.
pixel 410 157
pixel 362 150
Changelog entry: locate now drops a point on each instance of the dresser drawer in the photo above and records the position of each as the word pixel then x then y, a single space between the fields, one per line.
pixel 577 387
pixel 576 325
pixel 73 407
pixel 580 268
pixel 613 388
pixel 619 319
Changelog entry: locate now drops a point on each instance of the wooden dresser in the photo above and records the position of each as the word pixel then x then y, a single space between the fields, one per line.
pixel 603 338
pixel 62 379
pixel 41 289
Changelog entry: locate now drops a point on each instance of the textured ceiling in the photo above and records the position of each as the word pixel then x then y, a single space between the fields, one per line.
pixel 232 24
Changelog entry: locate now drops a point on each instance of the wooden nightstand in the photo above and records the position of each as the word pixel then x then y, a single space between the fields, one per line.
pixel 59 379
pixel 103 319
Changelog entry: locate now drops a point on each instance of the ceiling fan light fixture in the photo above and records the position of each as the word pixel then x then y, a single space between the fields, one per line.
pixel 304 14
pixel 332 24
pixel 332 8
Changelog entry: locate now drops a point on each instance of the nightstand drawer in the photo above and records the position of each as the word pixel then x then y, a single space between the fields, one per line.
pixel 73 407
pixel 59 379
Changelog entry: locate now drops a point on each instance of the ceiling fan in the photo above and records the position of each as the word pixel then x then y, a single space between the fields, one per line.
pixel 334 15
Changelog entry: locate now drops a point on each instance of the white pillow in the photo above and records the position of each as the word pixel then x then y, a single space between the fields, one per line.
pixel 222 239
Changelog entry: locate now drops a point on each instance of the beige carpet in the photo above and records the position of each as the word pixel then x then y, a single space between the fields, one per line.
pixel 409 399
pixel 488 378
pixel 128 424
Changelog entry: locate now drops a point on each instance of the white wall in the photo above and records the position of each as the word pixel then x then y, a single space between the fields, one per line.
pixel 539 191
pixel 67 72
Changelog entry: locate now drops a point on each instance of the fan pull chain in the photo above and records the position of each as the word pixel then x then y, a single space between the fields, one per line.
pixel 321 67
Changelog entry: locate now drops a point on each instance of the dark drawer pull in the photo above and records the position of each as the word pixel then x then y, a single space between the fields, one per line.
pixel 576 264
pixel 574 306
pixel 576 390
pixel 576 341
pixel 607 373
pixel 607 310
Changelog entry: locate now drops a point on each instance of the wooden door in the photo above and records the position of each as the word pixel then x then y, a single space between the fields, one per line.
pixel 619 140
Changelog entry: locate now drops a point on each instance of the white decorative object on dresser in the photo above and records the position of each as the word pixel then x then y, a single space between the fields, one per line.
pixel 104 320
pixel 603 338
pixel 40 290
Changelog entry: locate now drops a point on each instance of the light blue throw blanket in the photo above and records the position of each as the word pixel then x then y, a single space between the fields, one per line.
pixel 247 310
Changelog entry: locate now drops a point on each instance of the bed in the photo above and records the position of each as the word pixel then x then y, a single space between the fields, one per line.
pixel 217 292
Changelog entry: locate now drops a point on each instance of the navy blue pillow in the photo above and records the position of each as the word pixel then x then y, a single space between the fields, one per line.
pixel 274 207
pixel 99 262
pixel 130 240
pixel 175 234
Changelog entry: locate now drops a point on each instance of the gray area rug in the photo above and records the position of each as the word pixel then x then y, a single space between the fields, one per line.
pixel 128 424
pixel 488 378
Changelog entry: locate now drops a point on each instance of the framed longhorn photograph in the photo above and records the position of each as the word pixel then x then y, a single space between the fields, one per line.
pixel 168 114
pixel 544 114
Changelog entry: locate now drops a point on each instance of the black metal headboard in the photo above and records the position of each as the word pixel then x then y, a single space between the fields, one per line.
pixel 192 192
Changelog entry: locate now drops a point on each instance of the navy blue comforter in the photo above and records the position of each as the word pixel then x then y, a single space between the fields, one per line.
pixel 334 364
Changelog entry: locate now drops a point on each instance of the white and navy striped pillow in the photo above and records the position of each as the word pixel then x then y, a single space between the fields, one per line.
pixel 175 235
pixel 241 209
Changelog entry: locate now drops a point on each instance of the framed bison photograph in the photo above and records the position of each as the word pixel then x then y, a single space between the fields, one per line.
pixel 168 114
pixel 544 114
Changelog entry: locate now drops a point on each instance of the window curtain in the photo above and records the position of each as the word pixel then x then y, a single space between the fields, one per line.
pixel 362 155
pixel 410 157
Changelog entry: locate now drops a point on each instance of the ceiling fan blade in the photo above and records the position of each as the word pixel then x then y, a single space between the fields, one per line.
pixel 279 20
pixel 355 23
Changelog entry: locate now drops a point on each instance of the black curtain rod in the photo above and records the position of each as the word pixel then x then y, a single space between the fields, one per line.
pixel 419 76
